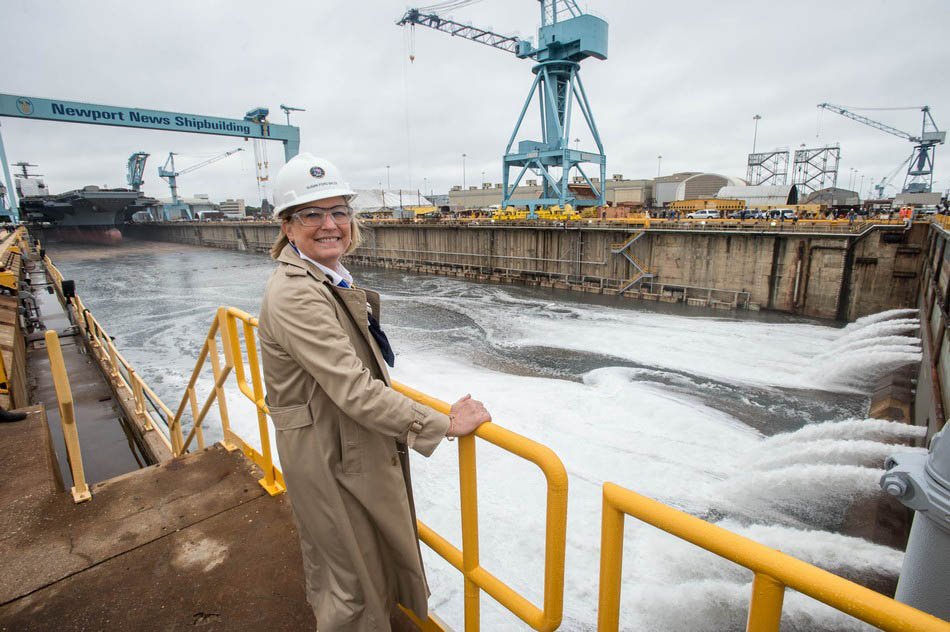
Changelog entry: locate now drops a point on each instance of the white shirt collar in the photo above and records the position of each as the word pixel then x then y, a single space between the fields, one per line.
pixel 336 276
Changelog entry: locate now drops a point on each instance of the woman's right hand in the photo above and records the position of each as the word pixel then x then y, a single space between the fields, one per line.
pixel 466 416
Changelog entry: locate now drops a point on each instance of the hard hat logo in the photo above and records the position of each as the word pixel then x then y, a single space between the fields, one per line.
pixel 317 172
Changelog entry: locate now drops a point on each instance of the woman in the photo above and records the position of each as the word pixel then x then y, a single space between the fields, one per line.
pixel 342 433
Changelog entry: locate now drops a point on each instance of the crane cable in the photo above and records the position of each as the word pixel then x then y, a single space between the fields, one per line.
pixel 909 107
pixel 405 83
pixel 451 5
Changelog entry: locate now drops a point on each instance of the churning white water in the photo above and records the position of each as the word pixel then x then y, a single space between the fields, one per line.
pixel 754 422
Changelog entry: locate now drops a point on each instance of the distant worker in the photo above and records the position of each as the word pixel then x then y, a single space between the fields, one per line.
pixel 342 432
pixel 851 216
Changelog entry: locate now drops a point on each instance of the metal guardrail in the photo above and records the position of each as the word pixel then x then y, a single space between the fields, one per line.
pixel 225 324
pixel 232 324
pixel 774 571
pixel 477 578
pixel 149 408
pixel 67 417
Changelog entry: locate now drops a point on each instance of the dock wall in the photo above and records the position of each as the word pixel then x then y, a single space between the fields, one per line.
pixel 839 276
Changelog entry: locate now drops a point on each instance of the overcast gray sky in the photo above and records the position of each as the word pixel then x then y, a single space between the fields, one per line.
pixel 683 79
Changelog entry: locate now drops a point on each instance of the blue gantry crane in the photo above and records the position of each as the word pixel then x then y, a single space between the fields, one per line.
pixel 136 175
pixel 919 178
pixel 168 173
pixel 566 37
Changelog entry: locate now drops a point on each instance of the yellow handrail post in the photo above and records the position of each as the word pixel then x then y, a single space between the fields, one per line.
pixel 219 392
pixel 139 398
pixel 77 314
pixel 268 482
pixel 195 411
pixel 765 607
pixel 611 566
pixel 468 490
pixel 4 384
pixel 67 419
pixel 113 358
pixel 94 330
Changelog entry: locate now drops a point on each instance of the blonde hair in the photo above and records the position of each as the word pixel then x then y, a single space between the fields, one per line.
pixel 356 236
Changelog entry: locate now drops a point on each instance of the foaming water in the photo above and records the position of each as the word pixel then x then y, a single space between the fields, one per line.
pixel 752 421
pixel 871 429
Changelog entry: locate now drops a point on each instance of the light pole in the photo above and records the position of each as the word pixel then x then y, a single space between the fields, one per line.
pixel 424 182
pixel 463 182
pixel 659 161
pixel 388 182
pixel 755 133
pixel 577 142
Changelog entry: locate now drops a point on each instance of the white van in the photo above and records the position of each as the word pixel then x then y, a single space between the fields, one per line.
pixel 709 213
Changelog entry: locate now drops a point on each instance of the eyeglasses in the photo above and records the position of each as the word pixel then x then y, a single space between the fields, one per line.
pixel 318 216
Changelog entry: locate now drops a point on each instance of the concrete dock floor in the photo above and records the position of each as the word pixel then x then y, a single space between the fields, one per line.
pixel 192 542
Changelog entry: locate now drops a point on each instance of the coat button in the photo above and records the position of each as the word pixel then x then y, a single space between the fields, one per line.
pixel 395 460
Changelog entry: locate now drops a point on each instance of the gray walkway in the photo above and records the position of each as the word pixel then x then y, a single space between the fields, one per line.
pixel 107 448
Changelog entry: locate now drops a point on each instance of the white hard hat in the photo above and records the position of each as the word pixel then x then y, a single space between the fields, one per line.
pixel 306 178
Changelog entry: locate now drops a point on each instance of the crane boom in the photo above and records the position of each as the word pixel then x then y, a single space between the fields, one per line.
pixel 207 162
pixel 168 173
pixel 482 36
pixel 919 178
pixel 837 109
pixel 567 36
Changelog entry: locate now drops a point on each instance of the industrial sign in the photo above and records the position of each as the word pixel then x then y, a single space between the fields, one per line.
pixel 73 112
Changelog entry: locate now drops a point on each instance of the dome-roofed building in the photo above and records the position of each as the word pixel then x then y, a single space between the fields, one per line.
pixel 834 197
pixel 704 186
pixel 756 196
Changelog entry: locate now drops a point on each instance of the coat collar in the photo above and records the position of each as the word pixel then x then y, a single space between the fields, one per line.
pixel 355 299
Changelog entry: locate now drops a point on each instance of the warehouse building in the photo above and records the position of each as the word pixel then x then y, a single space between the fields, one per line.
pixel 617 191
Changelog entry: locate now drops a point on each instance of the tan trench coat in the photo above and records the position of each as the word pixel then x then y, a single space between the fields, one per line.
pixel 342 435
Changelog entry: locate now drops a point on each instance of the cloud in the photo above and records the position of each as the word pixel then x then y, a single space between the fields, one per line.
pixel 683 80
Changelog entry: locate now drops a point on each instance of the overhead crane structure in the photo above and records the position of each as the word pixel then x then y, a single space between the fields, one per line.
pixel 136 175
pixel 566 37
pixel 167 172
pixel 254 125
pixel 919 178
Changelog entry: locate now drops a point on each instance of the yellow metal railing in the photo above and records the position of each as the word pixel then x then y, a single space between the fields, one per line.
pixel 67 417
pixel 232 325
pixel 548 617
pixel 120 370
pixel 774 571
pixel 226 324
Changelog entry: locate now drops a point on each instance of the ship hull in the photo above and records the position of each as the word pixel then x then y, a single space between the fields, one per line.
pixel 88 215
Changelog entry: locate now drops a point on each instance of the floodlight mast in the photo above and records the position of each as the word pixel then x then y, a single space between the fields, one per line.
pixel 566 37
pixel 919 178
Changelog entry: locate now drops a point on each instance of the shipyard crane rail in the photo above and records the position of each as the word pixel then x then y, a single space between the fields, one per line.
pixel 566 37
pixel 919 178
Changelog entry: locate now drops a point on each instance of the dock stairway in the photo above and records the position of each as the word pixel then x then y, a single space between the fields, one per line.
pixel 624 249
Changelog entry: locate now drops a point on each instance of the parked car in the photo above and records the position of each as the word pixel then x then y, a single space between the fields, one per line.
pixel 781 213
pixel 704 214
pixel 744 214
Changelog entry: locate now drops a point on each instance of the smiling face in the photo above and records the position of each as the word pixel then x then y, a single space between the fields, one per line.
pixel 325 243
